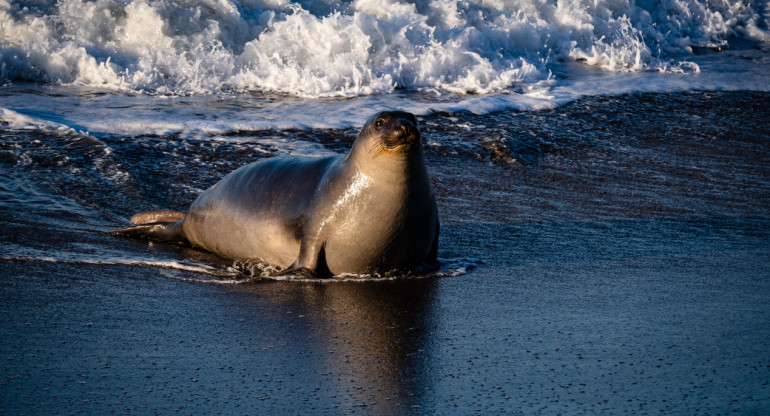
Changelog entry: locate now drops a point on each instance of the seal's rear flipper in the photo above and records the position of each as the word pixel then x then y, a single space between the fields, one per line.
pixel 157 231
pixel 158 215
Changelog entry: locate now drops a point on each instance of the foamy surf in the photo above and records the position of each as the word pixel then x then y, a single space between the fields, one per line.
pixel 238 272
pixel 13 120
pixel 252 272
pixel 174 265
pixel 364 47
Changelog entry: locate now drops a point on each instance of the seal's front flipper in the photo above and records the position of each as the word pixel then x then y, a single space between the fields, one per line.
pixel 310 261
pixel 158 231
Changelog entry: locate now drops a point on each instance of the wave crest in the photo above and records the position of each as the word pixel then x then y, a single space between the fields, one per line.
pixel 339 48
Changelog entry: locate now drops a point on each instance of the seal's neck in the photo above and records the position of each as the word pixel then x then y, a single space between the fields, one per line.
pixel 390 167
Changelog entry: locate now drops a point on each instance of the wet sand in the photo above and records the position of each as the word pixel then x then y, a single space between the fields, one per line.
pixel 674 331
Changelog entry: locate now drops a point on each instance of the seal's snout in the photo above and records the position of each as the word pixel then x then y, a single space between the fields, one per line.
pixel 409 130
pixel 397 128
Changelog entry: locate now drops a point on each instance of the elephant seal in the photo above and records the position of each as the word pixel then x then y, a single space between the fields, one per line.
pixel 368 212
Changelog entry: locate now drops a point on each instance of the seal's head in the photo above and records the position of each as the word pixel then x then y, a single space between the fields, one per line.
pixel 390 133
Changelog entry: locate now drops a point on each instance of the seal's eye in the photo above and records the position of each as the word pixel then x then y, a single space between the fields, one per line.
pixel 380 123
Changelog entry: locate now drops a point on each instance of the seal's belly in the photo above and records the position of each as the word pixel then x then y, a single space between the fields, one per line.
pixel 250 238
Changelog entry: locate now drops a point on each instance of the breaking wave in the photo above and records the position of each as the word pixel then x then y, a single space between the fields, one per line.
pixel 340 48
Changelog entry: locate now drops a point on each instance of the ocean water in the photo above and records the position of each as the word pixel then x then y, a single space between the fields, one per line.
pixel 602 171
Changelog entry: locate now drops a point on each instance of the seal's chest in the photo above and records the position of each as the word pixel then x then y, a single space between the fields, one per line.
pixel 377 236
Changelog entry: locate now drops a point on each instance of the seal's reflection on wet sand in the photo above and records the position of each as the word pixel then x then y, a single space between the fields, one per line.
pixel 366 339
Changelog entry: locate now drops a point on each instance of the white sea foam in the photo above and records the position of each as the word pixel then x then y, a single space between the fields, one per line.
pixel 26 254
pixel 338 48
pixel 240 272
pixel 16 121
pixel 255 271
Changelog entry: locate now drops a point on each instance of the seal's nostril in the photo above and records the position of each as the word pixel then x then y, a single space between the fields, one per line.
pixel 407 127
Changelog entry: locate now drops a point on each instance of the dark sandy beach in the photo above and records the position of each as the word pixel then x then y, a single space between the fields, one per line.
pixel 617 253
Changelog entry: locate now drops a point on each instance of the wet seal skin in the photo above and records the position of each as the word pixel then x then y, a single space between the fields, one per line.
pixel 368 212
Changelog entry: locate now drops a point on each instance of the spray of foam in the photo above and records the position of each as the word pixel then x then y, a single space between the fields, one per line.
pixel 340 48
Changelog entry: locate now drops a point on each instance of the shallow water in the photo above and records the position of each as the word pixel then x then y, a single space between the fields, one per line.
pixel 610 254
